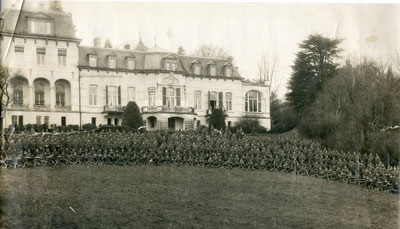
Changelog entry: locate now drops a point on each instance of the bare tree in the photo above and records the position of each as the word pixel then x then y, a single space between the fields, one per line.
pixel 213 51
pixel 6 98
pixel 266 72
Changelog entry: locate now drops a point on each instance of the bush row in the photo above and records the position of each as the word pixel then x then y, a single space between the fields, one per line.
pixel 39 128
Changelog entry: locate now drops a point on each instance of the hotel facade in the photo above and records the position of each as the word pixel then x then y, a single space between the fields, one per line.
pixel 60 82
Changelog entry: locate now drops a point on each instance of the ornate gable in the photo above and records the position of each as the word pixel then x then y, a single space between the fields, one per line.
pixel 170 80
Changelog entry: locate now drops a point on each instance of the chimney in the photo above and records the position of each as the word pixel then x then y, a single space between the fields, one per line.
pixel 127 46
pixel 97 42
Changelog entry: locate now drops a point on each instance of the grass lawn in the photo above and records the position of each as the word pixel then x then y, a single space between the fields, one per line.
pixel 184 197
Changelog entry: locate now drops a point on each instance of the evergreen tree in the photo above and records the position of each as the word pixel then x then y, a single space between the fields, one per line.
pixel 132 116
pixel 217 119
pixel 314 64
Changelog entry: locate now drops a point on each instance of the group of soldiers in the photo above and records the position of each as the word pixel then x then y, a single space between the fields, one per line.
pixel 200 148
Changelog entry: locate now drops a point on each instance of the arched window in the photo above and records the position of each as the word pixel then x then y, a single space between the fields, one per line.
pixel 18 93
pixel 39 94
pixel 253 101
pixel 60 94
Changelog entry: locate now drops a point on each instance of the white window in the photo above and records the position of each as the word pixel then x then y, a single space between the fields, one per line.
pixel 112 62
pixel 213 70
pixel 168 66
pixel 213 99
pixel 93 95
pixel 48 28
pixel 131 63
pixel 253 101
pixel 131 94
pixel 197 69
pixel 46 120
pixel 60 94
pixel 18 93
pixel 19 54
pixel 152 97
pixel 170 97
pixel 62 57
pixel 112 96
pixel 197 99
pixel 41 27
pixel 93 61
pixel 228 71
pixel 173 66
pixel 14 120
pixel 39 93
pixel 40 56
pixel 38 119
pixel 228 101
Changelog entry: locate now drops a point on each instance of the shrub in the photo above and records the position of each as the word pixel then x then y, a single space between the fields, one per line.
pixel 45 127
pixel 37 128
pixel 249 125
pixel 73 128
pixel 88 127
pixel 112 128
pixel 132 116
pixel 217 119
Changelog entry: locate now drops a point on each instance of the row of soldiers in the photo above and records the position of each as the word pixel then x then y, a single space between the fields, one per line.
pixel 201 148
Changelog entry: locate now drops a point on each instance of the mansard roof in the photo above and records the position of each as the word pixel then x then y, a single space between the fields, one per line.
pixel 187 62
pixel 17 21
pixel 151 60
pixel 141 46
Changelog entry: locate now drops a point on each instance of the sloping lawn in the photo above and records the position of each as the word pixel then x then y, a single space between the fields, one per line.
pixel 184 197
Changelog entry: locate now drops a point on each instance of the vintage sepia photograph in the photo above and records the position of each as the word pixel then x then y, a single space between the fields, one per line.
pixel 199 114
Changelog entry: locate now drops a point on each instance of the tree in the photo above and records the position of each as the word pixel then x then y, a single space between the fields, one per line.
pixel 212 51
pixel 314 64
pixel 355 109
pixel 217 119
pixel 5 98
pixel 132 116
pixel 266 72
pixel 282 116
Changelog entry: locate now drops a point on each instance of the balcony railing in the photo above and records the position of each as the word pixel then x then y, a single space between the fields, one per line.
pixel 62 108
pixel 118 109
pixel 45 107
pixel 254 114
pixel 157 109
pixel 18 107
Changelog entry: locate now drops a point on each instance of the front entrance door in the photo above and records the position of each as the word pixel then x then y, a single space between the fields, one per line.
pixel 171 124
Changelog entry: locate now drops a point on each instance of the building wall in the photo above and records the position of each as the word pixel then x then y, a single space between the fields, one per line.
pixel 142 82
pixel 51 73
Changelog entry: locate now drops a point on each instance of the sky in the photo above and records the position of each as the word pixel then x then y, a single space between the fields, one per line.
pixel 246 30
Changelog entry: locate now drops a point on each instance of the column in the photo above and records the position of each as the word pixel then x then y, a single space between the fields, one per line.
pixel 52 98
pixel 31 97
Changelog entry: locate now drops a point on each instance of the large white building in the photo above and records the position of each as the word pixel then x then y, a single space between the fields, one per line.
pixel 61 82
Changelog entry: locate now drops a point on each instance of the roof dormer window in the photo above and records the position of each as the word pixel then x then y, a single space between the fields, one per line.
pixel 228 71
pixel 213 70
pixel 130 62
pixel 170 65
pixel 93 60
pixel 41 27
pixel 197 69
pixel 112 60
